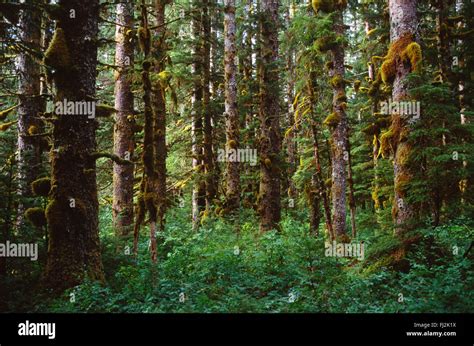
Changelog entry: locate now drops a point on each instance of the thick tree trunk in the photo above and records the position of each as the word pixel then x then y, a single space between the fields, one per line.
pixel 338 133
pixel 28 148
pixel 72 213
pixel 124 145
pixel 270 141
pixel 403 23
pixel 232 117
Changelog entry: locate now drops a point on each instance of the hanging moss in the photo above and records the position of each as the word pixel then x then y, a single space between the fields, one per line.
pixel 36 216
pixel 41 186
pixel 337 81
pixel 33 130
pixel 57 55
pixel 332 120
pixel 404 48
pixel 232 144
pixel 413 54
pixel 371 129
pixel 357 84
pixel 322 5
pixel 6 126
pixel 268 163
pixel 144 39
pixel 386 142
pixel 6 112
pixel 326 43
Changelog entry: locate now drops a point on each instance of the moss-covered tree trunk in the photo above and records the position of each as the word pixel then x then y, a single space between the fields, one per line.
pixel 30 105
pixel 232 117
pixel 269 141
pixel 403 25
pixel 160 56
pixel 338 131
pixel 72 212
pixel 124 145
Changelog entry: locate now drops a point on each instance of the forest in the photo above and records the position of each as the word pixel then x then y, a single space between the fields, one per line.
pixel 236 156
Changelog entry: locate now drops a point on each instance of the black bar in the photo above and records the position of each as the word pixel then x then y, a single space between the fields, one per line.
pixel 257 329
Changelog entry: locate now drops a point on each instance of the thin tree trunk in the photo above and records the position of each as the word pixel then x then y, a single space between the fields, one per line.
pixel 199 188
pixel 28 148
pixel 160 56
pixel 124 145
pixel 232 117
pixel 270 141
pixel 210 179
pixel 338 133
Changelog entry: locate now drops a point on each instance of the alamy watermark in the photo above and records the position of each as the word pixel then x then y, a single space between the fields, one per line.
pixel 335 249
pixel 9 249
pixel 408 109
pixel 237 155
pixel 66 107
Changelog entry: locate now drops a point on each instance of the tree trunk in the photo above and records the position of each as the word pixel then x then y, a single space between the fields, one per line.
pixel 270 141
pixel 210 178
pixel 124 145
pixel 72 213
pixel 199 188
pixel 338 133
pixel 403 23
pixel 232 117
pixel 160 56
pixel 28 148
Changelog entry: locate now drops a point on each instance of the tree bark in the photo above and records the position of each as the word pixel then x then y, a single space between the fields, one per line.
pixel 72 213
pixel 403 22
pixel 232 117
pixel 124 145
pixel 270 141
pixel 338 133
pixel 199 188
pixel 31 104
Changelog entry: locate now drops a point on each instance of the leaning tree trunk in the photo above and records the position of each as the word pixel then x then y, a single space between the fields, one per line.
pixel 31 104
pixel 72 213
pixel 124 145
pixel 403 29
pixel 270 141
pixel 232 117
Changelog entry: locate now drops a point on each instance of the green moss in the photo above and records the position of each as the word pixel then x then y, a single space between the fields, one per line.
pixel 357 84
pixel 6 112
pixel 337 81
pixel 386 142
pixel 33 130
pixel 322 5
pixel 36 216
pixel 41 187
pixel 144 38
pixel 57 55
pixel 332 120
pixel 232 144
pixel 6 126
pixel 413 54
pixel 326 43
